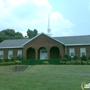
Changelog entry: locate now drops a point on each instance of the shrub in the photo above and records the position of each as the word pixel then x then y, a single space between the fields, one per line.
pixel 64 59
pixel 67 56
pixel 62 63
pixel 72 62
pixel 88 57
pixel 78 62
pixel 68 63
pixel 6 60
pixel 0 60
pixel 84 58
pixel 12 59
pixel 75 57
pixel 19 58
pixel 45 62
pixel 83 62
pixel 88 62
pixel 18 62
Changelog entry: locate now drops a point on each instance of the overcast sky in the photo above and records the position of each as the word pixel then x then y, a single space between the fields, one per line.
pixel 67 17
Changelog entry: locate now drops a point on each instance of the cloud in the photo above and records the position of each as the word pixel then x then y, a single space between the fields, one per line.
pixel 23 14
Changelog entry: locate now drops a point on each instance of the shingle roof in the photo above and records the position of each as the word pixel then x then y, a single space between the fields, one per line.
pixel 75 40
pixel 67 41
pixel 13 43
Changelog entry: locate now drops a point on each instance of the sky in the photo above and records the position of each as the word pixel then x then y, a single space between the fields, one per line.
pixel 67 17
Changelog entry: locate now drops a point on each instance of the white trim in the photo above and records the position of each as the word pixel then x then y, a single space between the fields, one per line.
pixel 12 47
pixel 45 35
pixel 71 50
pixel 10 52
pixel 19 53
pixel 76 44
pixel 82 50
pixel 2 53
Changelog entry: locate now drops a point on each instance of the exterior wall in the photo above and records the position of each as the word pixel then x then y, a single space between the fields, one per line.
pixel 14 52
pixel 77 49
pixel 43 41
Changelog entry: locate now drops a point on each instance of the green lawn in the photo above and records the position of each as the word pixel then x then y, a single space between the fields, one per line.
pixel 45 77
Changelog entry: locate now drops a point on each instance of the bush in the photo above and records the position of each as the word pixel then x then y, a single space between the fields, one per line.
pixel 84 58
pixel 75 57
pixel 12 59
pixel 6 60
pixel 64 59
pixel 45 62
pixel 68 63
pixel 0 60
pixel 88 57
pixel 18 62
pixel 78 62
pixel 19 58
pixel 62 63
pixel 88 62
pixel 67 56
pixel 72 62
pixel 83 62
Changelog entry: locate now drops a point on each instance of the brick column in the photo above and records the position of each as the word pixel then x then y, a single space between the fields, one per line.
pixel 36 54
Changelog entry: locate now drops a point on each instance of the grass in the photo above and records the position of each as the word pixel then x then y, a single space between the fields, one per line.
pixel 45 77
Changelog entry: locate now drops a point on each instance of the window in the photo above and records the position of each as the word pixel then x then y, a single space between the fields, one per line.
pixel 82 51
pixel 10 54
pixel 19 53
pixel 1 54
pixel 71 52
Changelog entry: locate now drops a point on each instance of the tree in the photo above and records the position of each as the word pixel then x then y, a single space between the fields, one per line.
pixel 32 33
pixel 18 35
pixel 10 34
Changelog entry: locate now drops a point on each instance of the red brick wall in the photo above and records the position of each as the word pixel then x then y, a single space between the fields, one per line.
pixel 43 41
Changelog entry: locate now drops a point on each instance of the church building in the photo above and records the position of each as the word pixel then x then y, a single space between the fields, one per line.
pixel 44 47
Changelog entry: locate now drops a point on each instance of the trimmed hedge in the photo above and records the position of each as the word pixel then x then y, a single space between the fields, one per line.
pixel 39 62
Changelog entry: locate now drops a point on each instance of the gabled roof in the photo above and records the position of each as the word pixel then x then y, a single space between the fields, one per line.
pixel 19 43
pixel 74 40
pixel 67 41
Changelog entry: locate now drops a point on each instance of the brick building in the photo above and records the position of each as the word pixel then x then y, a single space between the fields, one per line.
pixel 43 46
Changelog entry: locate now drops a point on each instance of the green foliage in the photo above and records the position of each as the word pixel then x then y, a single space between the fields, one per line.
pixel 64 59
pixel 88 62
pixel 62 62
pixel 7 63
pixel 18 62
pixel 45 62
pixel 12 59
pixel 68 63
pixel 72 62
pixel 88 57
pixel 10 34
pixel 75 57
pixel 67 56
pixel 6 60
pixel 32 33
pixel 18 35
pixel 84 62
pixel 84 58
pixel 78 62
pixel 19 58
pixel 0 60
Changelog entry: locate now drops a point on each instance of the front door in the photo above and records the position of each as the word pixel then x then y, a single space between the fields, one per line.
pixel 43 54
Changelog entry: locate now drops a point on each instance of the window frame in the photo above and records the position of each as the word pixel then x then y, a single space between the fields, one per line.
pixel 19 53
pixel 82 50
pixel 10 52
pixel 72 50
pixel 2 54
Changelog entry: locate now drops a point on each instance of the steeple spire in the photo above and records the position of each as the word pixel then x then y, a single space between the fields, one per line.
pixel 48 28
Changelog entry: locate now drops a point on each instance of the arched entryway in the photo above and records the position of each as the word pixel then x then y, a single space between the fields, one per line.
pixel 42 53
pixel 54 53
pixel 30 53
